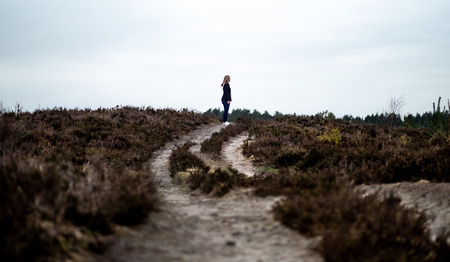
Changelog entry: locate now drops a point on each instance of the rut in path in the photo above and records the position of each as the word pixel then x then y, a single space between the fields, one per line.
pixel 195 227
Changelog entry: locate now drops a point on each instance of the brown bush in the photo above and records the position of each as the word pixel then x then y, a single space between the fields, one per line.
pixel 217 182
pixel 65 172
pixel 316 162
pixel 354 228
pixel 365 153
pixel 181 159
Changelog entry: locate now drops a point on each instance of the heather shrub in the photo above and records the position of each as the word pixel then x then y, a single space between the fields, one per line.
pixel 29 195
pixel 289 183
pixel 67 176
pixel 181 159
pixel 353 228
pixel 364 153
pixel 317 161
pixel 135 198
pixel 125 198
pixel 217 182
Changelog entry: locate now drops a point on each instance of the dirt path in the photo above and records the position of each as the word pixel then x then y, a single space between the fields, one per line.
pixel 195 227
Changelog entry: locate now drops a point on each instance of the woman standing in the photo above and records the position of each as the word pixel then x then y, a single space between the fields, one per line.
pixel 226 98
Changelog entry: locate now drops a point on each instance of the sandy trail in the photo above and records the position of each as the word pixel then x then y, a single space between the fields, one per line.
pixel 196 227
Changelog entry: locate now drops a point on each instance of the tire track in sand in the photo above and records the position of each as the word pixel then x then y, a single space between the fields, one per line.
pixel 232 154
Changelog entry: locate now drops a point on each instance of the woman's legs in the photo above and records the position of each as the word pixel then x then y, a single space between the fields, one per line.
pixel 226 107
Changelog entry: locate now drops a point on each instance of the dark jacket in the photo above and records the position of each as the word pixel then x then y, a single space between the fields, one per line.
pixel 226 93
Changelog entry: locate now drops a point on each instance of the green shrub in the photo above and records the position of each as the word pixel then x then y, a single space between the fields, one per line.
pixel 331 136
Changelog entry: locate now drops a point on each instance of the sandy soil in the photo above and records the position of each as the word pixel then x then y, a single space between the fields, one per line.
pixel 194 227
pixel 431 198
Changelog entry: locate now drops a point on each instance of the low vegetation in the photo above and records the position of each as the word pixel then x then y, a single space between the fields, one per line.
pixel 67 176
pixel 352 227
pixel 320 159
pixel 218 182
pixel 363 153
pixel 314 162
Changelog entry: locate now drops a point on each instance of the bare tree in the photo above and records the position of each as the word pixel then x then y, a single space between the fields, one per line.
pixel 18 108
pixel 395 105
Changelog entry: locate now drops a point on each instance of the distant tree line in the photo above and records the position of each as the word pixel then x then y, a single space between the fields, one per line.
pixel 387 119
pixel 438 120
pixel 242 113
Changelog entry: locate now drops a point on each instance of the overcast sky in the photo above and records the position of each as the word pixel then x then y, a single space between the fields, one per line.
pixel 302 56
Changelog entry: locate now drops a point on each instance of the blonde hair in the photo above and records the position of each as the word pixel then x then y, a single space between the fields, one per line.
pixel 226 79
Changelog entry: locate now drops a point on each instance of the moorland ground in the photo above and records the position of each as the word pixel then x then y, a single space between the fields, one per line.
pixel 315 165
pixel 79 181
